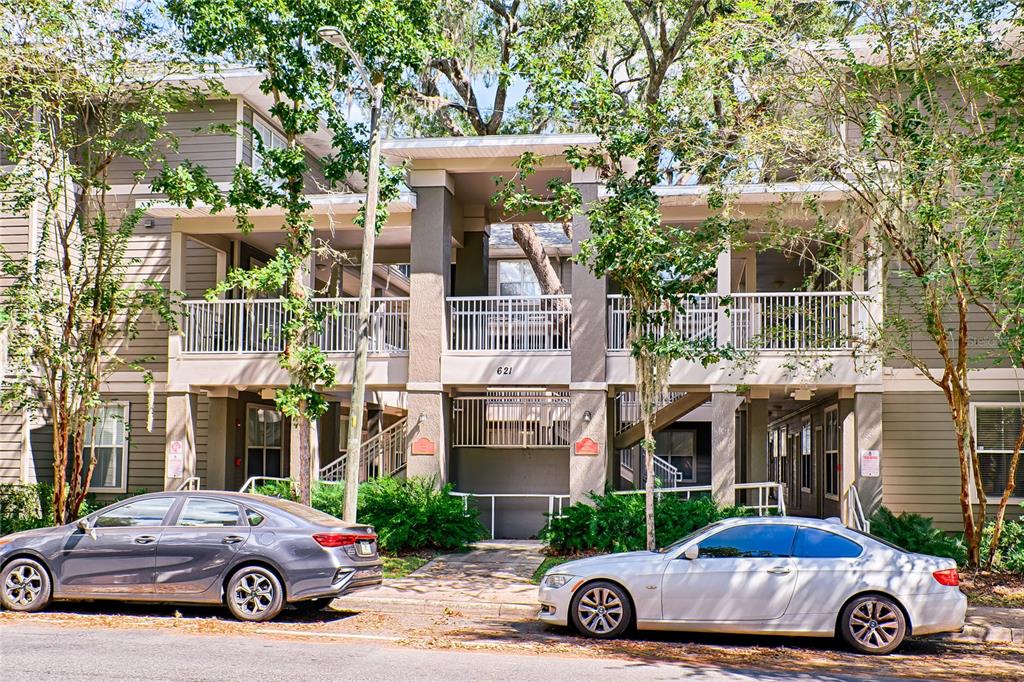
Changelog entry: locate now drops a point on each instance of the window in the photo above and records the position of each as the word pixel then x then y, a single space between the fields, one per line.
pixel 253 517
pixel 996 428
pixel 812 543
pixel 679 448
pixel 832 463
pixel 148 512
pixel 806 457
pixel 270 137
pixel 516 278
pixel 106 439
pixel 263 442
pixel 201 512
pixel 750 541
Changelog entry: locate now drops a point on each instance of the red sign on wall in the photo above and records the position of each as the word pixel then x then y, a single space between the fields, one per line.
pixel 423 446
pixel 587 446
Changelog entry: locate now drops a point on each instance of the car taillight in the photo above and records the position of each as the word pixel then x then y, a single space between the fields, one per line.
pixel 949 577
pixel 340 539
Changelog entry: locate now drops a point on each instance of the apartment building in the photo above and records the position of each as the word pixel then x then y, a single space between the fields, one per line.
pixel 523 401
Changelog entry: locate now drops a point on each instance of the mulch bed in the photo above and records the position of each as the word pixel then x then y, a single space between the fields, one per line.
pixel 991 588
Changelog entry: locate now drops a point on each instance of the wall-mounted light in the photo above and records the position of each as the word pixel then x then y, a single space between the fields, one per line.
pixel 587 416
pixel 149 223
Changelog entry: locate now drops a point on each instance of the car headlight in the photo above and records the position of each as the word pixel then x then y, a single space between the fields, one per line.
pixel 556 580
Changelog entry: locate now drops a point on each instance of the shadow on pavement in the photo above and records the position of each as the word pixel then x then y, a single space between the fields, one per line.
pixel 171 611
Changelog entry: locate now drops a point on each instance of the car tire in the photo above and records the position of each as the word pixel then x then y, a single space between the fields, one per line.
pixel 311 606
pixel 25 586
pixel 254 594
pixel 601 609
pixel 873 624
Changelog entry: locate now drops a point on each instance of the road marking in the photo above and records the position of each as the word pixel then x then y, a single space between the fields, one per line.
pixel 382 638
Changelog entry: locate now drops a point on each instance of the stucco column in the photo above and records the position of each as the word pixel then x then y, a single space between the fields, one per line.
pixel 847 453
pixel 180 444
pixel 724 402
pixel 757 441
pixel 430 265
pixel 590 446
pixel 867 408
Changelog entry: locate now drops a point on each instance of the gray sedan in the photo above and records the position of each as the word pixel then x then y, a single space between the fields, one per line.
pixel 253 553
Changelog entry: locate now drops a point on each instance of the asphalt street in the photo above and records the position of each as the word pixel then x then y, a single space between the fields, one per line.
pixel 32 652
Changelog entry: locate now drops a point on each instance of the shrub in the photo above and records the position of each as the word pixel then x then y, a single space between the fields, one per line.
pixel 406 514
pixel 916 533
pixel 410 514
pixel 21 507
pixel 615 523
pixel 1010 552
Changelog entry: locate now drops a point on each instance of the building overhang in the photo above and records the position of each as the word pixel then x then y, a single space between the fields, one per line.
pixel 320 204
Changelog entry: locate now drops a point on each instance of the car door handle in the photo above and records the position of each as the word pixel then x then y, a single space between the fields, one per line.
pixel 145 539
pixel 780 570
pixel 232 539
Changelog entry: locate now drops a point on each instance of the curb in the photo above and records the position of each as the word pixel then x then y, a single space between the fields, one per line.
pixel 437 607
pixel 985 634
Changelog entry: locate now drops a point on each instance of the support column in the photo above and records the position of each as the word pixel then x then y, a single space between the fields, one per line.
pixel 867 408
pixel 177 283
pixel 590 452
pixel 724 402
pixel 757 441
pixel 180 444
pixel 847 453
pixel 430 264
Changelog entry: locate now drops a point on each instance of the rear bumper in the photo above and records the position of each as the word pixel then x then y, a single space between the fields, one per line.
pixel 346 581
pixel 936 612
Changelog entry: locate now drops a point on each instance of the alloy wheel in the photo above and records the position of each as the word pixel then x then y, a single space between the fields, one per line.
pixel 874 624
pixel 600 610
pixel 253 594
pixel 23 586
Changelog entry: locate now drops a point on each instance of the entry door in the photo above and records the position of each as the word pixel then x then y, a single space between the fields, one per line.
pixel 122 558
pixel 743 573
pixel 263 438
pixel 194 553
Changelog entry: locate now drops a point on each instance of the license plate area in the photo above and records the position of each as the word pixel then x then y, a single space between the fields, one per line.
pixel 364 548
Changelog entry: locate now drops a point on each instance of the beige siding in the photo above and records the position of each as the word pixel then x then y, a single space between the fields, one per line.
pixel 10 447
pixel 13 238
pixel 213 149
pixel 920 469
pixel 201 270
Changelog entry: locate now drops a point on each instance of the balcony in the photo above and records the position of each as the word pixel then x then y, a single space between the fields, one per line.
pixel 255 326
pixel 510 324
pixel 511 419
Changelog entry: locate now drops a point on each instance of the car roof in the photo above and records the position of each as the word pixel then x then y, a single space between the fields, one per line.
pixel 824 524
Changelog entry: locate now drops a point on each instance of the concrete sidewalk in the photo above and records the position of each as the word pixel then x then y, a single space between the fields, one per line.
pixel 991 625
pixel 492 580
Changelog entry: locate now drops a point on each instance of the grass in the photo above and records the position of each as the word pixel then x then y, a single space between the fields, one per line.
pixel 548 563
pixel 401 565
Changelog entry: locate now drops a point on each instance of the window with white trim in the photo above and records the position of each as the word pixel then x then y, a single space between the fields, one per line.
pixel 516 278
pixel 996 429
pixel 806 457
pixel 832 439
pixel 106 440
pixel 270 137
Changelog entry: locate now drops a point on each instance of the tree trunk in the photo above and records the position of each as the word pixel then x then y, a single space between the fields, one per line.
pixel 305 462
pixel 526 237
pixel 959 411
pixel 648 448
pixel 355 415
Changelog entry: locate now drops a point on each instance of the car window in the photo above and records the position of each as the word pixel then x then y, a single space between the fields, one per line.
pixel 305 513
pixel 254 517
pixel 682 541
pixel 205 512
pixel 749 541
pixel 813 543
pixel 148 512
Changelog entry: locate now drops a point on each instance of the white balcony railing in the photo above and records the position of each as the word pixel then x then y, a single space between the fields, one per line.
pixel 255 326
pixel 509 323
pixel 698 320
pixel 817 320
pixel 510 420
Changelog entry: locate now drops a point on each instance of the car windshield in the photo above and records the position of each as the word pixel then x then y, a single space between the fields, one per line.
pixel 303 512
pixel 683 541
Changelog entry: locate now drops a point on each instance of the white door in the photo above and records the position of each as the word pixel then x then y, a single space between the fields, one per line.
pixel 827 564
pixel 742 573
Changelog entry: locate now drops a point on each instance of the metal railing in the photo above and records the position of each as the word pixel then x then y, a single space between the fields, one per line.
pixel 855 511
pixel 190 483
pixel 510 420
pixel 665 473
pixel 698 320
pixel 765 492
pixel 627 407
pixel 509 323
pixel 816 320
pixel 555 502
pixel 255 326
pixel 252 482
pixel 383 454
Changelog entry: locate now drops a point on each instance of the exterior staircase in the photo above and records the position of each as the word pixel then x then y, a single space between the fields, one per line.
pixel 632 469
pixel 383 454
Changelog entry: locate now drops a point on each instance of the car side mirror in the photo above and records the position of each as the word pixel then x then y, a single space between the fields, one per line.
pixel 691 552
pixel 85 527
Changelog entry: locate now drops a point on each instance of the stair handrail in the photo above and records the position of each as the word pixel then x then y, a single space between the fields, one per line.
pixel 391 442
